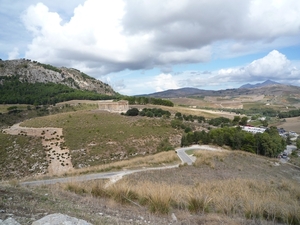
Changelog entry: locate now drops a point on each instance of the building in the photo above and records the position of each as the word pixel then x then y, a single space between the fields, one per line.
pixel 111 106
pixel 253 130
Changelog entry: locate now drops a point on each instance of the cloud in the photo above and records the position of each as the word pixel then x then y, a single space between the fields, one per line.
pixel 111 36
pixel 14 54
pixel 273 66
pixel 163 82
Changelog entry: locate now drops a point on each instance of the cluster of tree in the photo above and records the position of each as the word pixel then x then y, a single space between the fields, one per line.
pixel 147 100
pixel 155 112
pixel 13 91
pixel 219 121
pixel 223 121
pixel 16 114
pixel 291 113
pixel 190 118
pixel 269 143
pixel 252 111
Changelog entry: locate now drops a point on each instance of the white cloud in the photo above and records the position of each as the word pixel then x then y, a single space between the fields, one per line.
pixel 14 54
pixel 103 37
pixel 273 66
pixel 111 36
pixel 163 82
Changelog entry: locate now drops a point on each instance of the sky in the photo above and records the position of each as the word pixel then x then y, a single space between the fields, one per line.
pixel 147 46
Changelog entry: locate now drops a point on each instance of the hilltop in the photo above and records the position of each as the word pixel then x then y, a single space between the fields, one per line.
pixel 32 72
pixel 266 83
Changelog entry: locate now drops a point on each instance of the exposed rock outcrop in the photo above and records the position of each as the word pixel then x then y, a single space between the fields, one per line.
pixel 9 221
pixel 59 219
pixel 34 72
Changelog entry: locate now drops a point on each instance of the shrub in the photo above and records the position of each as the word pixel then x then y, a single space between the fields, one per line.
pixel 132 112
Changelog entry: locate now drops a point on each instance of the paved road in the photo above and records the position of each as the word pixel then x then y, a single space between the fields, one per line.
pixel 185 158
pixel 290 148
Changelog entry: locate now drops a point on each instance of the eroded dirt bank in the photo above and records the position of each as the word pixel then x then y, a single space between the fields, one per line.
pixel 58 156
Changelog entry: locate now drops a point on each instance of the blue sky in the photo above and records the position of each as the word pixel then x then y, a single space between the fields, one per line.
pixel 145 46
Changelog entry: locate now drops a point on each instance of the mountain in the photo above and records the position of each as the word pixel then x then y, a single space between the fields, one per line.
pixel 266 83
pixel 33 72
pixel 266 88
pixel 176 93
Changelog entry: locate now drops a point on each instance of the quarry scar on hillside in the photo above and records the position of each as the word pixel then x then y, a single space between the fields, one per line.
pixel 58 157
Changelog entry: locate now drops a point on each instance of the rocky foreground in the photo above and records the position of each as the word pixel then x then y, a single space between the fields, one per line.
pixel 53 219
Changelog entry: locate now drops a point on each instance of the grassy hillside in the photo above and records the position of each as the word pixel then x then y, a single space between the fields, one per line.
pixel 96 137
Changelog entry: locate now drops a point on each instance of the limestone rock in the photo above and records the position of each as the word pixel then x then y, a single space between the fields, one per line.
pixel 9 221
pixel 60 219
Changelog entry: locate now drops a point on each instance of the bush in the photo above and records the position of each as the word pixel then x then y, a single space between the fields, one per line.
pixel 132 112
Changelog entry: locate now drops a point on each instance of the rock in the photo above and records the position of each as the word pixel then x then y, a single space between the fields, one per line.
pixel 174 218
pixel 9 221
pixel 60 219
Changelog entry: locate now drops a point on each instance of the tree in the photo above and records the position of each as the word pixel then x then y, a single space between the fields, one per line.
pixel 176 123
pixel 244 121
pixel 132 112
pixel 264 123
pixel 236 120
pixel 288 140
pixel 298 142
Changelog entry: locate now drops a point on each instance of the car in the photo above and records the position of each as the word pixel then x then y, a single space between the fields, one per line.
pixel 284 155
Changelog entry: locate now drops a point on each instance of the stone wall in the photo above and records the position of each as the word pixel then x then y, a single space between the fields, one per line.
pixel 120 106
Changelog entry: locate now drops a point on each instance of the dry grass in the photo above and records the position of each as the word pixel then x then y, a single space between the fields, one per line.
pixel 274 198
pixel 161 158
pixel 277 202
pixel 209 157
pixel 291 124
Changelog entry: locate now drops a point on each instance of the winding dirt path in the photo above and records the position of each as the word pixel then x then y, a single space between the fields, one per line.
pixel 58 157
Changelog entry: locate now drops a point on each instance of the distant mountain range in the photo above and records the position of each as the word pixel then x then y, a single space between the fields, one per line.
pixel 266 83
pixel 266 88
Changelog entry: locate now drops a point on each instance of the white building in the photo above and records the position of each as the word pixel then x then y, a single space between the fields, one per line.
pixel 253 130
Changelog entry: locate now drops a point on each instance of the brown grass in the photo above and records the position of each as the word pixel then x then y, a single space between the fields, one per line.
pixel 278 202
pixel 291 124
pixel 249 196
pixel 158 159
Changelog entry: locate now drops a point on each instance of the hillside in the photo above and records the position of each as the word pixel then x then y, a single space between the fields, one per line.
pixel 230 186
pixel 266 83
pixel 266 88
pixel 33 72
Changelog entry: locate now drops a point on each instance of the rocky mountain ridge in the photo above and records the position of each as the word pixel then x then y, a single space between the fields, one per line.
pixel 35 72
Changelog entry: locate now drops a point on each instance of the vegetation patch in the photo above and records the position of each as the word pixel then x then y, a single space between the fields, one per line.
pixel 21 156
pixel 99 137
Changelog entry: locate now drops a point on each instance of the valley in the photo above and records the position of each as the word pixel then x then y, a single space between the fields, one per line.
pixel 86 133
pixel 64 134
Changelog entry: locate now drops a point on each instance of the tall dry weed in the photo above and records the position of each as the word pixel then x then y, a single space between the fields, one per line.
pixel 251 199
pixel 209 157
